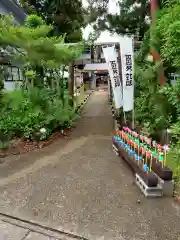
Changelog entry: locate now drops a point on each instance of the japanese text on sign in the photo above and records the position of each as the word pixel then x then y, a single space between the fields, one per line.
pixel 115 73
pixel 128 70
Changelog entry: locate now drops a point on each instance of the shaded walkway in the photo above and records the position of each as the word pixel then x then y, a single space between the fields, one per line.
pixel 96 118
pixel 82 187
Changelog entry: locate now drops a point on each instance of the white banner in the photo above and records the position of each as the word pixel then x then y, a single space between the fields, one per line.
pixel 111 60
pixel 127 63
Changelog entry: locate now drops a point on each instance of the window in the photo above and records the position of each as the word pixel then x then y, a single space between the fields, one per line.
pixel 13 74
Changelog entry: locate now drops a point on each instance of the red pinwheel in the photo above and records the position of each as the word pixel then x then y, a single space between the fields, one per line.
pixel 129 141
pixel 159 147
pixel 135 135
pixel 140 148
pixel 135 145
pixel 118 132
pixel 124 135
pixel 148 154
pixel 127 130
pixel 148 141
pixel 143 151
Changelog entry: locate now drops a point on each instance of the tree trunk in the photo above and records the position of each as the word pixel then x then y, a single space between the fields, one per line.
pixel 71 83
pixel 154 52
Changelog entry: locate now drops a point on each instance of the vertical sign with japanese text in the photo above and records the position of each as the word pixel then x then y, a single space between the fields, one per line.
pixel 111 59
pixel 127 55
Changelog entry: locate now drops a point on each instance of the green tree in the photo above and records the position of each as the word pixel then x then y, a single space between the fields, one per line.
pixel 33 46
pixel 166 34
pixel 24 112
pixel 133 18
pixel 66 17
pixel 96 14
pixel 159 106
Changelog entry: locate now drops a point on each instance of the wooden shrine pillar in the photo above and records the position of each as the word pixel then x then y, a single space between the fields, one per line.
pixel 71 82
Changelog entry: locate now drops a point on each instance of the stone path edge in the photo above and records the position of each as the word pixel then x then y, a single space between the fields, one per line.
pixel 80 107
pixel 40 229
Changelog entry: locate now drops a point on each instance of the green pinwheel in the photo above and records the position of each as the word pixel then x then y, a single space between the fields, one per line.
pixel 160 158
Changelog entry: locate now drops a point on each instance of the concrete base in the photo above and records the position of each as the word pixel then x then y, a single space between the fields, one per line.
pixel 167 187
pixel 115 150
pixel 148 191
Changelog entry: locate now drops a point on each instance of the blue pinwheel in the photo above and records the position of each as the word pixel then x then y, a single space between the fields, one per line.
pixel 131 152
pixel 145 168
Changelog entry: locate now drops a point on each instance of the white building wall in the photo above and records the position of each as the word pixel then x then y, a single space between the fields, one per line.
pixel 10 85
pixel 3 10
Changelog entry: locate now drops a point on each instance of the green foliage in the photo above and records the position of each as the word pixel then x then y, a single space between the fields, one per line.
pixel 42 105
pixel 2 74
pixel 175 129
pixel 167 33
pixel 173 160
pixel 34 21
pixel 132 18
pixel 151 106
pixel 66 17
pixel 34 46
pixel 24 113
pixel 158 108
pixel 172 92
pixel 144 49
pixel 96 14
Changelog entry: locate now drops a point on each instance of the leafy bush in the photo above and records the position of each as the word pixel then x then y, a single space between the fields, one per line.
pixel 157 107
pixel 152 108
pixel 173 159
pixel 172 93
pixel 24 113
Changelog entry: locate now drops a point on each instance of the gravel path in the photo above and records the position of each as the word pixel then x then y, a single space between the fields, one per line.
pixel 83 188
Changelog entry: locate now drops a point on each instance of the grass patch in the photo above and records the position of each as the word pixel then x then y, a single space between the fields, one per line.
pixel 173 162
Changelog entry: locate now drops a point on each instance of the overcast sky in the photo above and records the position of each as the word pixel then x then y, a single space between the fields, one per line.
pixel 112 8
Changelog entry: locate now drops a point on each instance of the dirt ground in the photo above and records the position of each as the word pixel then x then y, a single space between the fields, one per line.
pixel 79 185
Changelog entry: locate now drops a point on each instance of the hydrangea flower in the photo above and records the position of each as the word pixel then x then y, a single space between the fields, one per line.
pixel 42 130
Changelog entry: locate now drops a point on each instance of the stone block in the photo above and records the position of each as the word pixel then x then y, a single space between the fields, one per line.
pixel 11 232
pixel 167 187
pixel 148 191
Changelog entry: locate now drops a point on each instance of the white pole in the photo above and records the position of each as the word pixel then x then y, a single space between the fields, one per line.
pixel 133 112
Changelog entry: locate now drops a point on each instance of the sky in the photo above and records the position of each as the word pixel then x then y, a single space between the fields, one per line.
pixel 112 8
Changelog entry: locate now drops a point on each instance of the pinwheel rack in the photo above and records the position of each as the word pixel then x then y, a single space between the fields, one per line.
pixel 156 183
